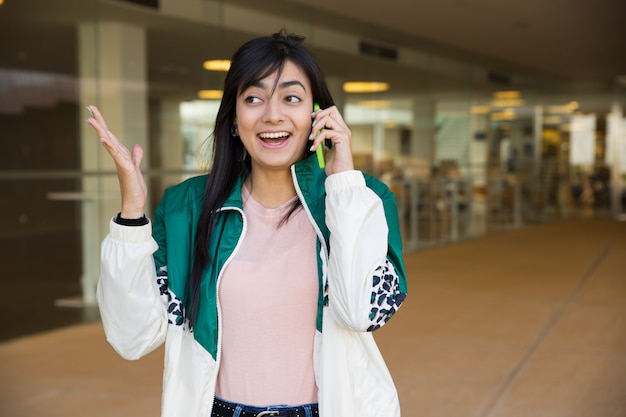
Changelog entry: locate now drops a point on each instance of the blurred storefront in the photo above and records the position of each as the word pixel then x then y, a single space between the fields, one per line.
pixel 466 149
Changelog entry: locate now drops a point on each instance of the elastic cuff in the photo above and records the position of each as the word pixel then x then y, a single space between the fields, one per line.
pixel 141 221
pixel 132 234
pixel 343 180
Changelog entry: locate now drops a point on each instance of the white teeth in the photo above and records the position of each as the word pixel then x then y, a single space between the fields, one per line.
pixel 274 135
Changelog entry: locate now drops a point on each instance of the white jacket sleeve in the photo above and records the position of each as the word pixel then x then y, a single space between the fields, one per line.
pixel 132 311
pixel 358 228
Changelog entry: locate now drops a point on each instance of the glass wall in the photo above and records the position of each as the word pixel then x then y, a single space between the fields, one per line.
pixel 466 151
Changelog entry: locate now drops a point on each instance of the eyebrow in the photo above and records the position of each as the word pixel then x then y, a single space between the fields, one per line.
pixel 282 85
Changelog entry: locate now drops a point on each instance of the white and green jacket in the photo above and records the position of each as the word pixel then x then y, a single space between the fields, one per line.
pixel 144 269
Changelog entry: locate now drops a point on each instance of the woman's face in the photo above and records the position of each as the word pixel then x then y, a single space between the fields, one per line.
pixel 275 123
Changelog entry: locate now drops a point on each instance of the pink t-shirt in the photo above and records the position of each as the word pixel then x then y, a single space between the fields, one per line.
pixel 268 298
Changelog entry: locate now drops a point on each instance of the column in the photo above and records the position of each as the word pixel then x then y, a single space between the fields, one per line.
pixel 112 69
pixel 171 143
pixel 617 146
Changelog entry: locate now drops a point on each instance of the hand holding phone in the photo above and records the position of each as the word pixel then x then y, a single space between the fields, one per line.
pixel 337 139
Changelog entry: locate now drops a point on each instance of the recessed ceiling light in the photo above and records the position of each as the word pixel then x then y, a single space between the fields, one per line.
pixel 507 102
pixel 365 87
pixel 217 65
pixel 375 104
pixel 564 108
pixel 506 114
pixel 506 95
pixel 210 94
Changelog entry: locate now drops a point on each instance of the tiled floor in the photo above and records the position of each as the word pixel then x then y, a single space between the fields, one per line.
pixel 524 323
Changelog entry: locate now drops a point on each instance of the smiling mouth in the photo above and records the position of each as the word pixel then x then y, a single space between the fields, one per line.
pixel 274 138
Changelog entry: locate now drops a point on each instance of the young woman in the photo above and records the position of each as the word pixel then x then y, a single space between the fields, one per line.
pixel 265 277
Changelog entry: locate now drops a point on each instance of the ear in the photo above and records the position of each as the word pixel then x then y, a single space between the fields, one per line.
pixel 234 130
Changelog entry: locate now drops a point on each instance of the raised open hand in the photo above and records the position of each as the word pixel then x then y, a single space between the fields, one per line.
pixel 127 163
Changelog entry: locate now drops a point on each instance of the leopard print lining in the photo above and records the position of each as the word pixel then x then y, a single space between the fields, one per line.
pixel 175 308
pixel 386 295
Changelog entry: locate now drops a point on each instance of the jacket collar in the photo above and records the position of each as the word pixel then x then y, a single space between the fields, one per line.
pixel 310 180
pixel 234 198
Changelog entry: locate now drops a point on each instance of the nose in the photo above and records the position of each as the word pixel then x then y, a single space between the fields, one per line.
pixel 273 111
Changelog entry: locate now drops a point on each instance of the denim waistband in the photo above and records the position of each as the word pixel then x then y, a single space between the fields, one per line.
pixel 222 408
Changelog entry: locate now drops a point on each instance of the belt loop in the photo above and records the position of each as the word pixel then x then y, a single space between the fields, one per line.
pixel 238 410
pixel 307 411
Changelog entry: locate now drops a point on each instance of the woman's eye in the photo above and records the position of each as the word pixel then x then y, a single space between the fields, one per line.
pixel 252 99
pixel 292 99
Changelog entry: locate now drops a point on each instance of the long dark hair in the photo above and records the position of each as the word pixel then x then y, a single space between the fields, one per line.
pixel 254 61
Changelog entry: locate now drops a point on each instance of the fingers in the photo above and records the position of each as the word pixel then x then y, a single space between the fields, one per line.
pixel 137 155
pixel 329 125
pixel 118 151
pixel 108 139
pixel 97 116
pixel 97 122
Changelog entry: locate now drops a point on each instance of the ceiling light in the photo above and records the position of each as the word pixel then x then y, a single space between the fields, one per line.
pixel 210 94
pixel 565 108
pixel 506 95
pixel 216 64
pixel 506 114
pixel 375 104
pixel 365 87
pixel 507 102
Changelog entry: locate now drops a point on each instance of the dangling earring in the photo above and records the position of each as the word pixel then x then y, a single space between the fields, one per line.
pixel 244 154
pixel 234 130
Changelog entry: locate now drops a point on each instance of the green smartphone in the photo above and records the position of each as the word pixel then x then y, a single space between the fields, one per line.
pixel 319 151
